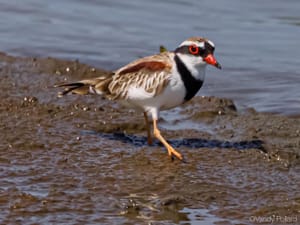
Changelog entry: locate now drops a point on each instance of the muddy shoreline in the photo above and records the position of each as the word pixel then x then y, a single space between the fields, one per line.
pixel 83 160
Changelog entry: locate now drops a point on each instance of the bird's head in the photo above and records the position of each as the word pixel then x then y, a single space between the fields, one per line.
pixel 198 52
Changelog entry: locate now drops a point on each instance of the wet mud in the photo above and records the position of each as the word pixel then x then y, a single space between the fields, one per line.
pixel 85 160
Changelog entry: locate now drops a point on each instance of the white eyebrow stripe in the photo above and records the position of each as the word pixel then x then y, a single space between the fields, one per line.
pixel 211 43
pixel 188 43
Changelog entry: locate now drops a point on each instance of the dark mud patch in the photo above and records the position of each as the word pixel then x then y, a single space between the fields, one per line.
pixel 140 141
pixel 84 160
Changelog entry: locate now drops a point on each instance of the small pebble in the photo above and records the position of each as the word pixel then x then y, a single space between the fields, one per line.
pixel 44 202
pixel 30 99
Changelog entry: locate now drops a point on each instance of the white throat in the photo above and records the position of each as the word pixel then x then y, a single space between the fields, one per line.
pixel 195 65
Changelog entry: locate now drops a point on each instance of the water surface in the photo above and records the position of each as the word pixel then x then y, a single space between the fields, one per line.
pixel 257 41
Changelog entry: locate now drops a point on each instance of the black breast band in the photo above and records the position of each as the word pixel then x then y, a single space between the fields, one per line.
pixel 192 85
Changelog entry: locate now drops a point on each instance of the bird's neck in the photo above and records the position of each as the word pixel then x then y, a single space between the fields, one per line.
pixel 192 64
pixel 191 75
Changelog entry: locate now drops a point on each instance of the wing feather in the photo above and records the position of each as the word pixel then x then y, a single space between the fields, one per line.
pixel 150 74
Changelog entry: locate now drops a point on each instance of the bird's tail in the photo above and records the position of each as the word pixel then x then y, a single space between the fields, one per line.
pixel 97 85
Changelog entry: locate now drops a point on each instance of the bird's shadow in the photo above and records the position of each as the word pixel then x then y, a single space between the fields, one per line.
pixel 140 141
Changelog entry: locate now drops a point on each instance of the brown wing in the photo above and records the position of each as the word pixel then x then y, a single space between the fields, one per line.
pixel 150 73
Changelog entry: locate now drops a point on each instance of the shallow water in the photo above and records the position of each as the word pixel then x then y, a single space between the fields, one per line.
pixel 257 41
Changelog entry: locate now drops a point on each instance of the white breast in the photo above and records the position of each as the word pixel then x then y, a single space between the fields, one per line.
pixel 172 96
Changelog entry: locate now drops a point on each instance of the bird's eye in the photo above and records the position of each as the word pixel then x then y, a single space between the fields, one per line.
pixel 194 49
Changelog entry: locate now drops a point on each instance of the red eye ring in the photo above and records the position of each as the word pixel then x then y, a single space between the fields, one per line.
pixel 193 49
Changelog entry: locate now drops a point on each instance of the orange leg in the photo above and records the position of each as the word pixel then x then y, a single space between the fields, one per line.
pixel 171 150
pixel 149 138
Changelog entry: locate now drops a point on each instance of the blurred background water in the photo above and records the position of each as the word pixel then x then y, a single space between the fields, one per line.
pixel 257 42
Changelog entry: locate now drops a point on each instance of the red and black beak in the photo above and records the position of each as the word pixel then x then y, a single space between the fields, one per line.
pixel 210 59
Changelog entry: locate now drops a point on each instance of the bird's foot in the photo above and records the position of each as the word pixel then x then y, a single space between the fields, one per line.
pixel 172 152
pixel 149 140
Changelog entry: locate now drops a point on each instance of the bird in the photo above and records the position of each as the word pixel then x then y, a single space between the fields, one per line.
pixel 154 83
